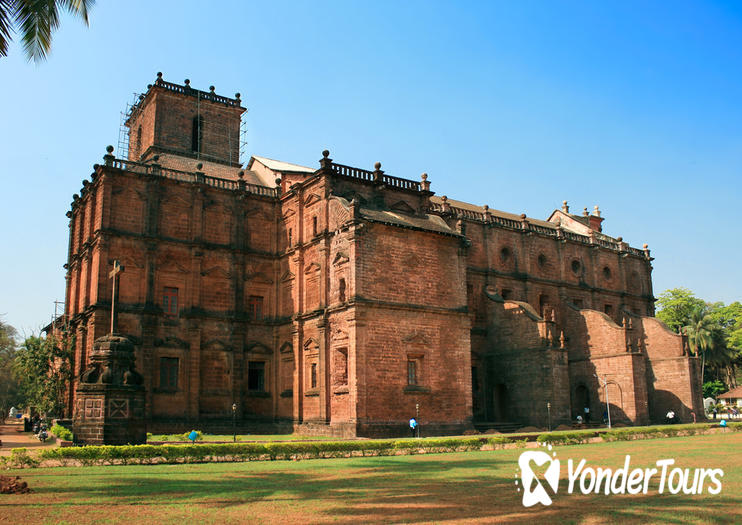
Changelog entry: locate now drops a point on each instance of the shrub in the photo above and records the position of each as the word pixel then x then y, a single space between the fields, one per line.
pixel 498 440
pixel 20 458
pixel 627 434
pixel 62 432
pixel 232 452
pixel 566 438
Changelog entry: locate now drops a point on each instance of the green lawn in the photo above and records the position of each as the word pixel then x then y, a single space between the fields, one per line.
pixel 462 487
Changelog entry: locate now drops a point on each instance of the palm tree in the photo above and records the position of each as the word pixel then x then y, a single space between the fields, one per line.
pixel 700 332
pixel 722 358
pixel 36 20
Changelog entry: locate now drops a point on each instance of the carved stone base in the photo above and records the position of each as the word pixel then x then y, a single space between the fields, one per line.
pixel 109 407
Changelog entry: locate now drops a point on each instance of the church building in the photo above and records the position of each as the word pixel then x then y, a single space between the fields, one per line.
pixel 343 301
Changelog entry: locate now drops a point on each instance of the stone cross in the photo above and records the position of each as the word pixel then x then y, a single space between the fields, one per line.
pixel 117 269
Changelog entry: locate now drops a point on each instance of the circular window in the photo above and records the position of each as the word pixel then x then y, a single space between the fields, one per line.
pixel 607 273
pixel 541 260
pixel 576 267
pixel 505 254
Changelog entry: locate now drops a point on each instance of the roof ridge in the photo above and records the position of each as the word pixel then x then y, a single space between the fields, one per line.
pixel 258 157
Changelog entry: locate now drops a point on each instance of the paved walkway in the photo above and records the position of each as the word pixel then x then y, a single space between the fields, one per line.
pixel 12 436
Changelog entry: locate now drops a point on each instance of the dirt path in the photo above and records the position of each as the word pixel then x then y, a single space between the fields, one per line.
pixel 12 436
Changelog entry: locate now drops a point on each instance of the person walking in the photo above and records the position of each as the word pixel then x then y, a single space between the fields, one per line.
pixel 413 426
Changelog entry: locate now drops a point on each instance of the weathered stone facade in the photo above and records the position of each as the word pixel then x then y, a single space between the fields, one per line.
pixel 340 300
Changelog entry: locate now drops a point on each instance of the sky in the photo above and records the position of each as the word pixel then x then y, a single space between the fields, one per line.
pixel 631 106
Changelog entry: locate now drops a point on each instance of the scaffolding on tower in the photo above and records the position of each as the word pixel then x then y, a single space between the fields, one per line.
pixel 216 131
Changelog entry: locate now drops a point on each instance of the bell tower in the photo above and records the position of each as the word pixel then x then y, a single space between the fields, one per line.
pixel 178 120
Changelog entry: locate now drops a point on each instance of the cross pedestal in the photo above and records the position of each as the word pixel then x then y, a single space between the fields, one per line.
pixel 109 405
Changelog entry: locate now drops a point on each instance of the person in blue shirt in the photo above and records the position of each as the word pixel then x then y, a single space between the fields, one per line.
pixel 413 426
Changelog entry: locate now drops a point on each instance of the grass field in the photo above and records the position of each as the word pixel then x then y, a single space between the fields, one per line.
pixel 463 487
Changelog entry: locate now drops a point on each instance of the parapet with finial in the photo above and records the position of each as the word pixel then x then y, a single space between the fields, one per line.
pixel 186 89
pixel 424 182
pixel 325 162
pixel 378 173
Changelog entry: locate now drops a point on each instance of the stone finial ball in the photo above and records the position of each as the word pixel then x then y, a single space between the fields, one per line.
pixel 159 74
pixel 486 207
pixel 96 166
pixel 646 246
pixel 199 166
pixel 278 181
pixel 187 82
pixel 522 216
pixel 149 86
pixel 377 166
pixel 326 153
pixel 240 174
pixel 424 176
pixel 155 158
pixel 141 97
pixel 444 198
pixel 237 96
pixel 109 149
pixel 619 239
pixel 564 202
pixel 212 88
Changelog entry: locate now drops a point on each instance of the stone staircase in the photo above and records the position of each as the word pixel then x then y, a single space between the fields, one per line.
pixel 503 427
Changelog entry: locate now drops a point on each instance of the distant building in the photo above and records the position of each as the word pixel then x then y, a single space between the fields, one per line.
pixel 338 300
pixel 732 398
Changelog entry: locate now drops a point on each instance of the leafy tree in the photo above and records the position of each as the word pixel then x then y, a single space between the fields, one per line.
pixel 36 20
pixel 675 307
pixel 9 388
pixel 713 388
pixel 700 331
pixel 727 354
pixel 43 367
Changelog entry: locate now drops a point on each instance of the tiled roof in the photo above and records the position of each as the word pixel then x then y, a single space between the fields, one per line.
pixel 426 222
pixel 497 213
pixel 212 169
pixel 278 165
pixel 735 393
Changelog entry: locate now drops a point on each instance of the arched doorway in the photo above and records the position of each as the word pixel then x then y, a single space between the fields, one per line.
pixel 500 402
pixel 582 400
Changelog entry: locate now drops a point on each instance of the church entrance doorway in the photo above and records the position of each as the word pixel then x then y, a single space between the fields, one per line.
pixel 582 400
pixel 499 403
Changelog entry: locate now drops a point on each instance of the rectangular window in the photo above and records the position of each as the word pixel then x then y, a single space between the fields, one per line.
pixel 170 301
pixel 169 373
pixel 255 308
pixel 313 376
pixel 341 290
pixel 256 376
pixel 340 367
pixel 412 371
pixel 314 226
pixel 197 134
